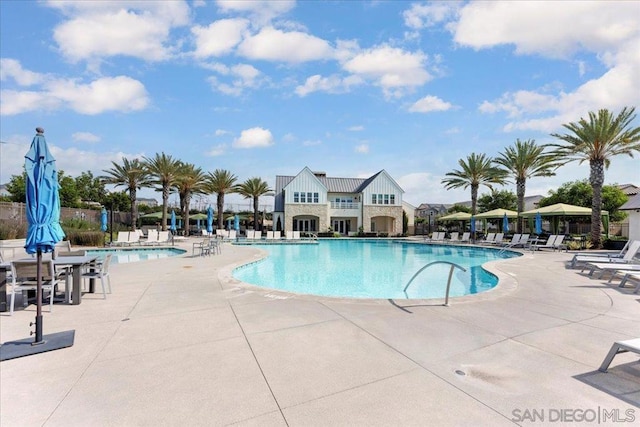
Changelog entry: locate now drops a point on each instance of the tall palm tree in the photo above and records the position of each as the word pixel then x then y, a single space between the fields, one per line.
pixel 253 188
pixel 190 181
pixel 525 160
pixel 164 171
pixel 477 170
pixel 221 182
pixel 131 174
pixel 598 140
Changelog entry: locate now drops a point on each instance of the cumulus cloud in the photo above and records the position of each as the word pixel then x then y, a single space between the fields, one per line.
pixel 218 150
pixel 219 38
pixel 221 132
pixel 608 30
pixel 428 104
pixel 254 138
pixel 331 84
pixel 85 137
pixel 271 44
pixel 357 128
pixel 424 15
pixel 95 30
pixel 394 69
pixel 261 11
pixel 242 76
pixel 310 143
pixel 12 69
pixel 120 93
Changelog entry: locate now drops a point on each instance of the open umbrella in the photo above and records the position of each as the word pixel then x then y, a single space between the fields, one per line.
pixel 538 223
pixel 209 220
pixel 505 223
pixel 44 231
pixel 172 227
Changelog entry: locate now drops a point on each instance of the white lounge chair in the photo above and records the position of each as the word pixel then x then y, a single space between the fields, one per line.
pixel 466 237
pixel 122 239
pixel 134 238
pixel 222 232
pixel 549 244
pixel 488 239
pixel 559 245
pixel 625 279
pixel 164 237
pixel 152 237
pixel 582 257
pixel 627 258
pixel 454 236
pixel 233 234
pixel 288 235
pixel 498 239
pixel 617 348
pixel 296 235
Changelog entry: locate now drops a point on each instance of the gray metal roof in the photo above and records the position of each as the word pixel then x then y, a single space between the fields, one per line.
pixel 632 204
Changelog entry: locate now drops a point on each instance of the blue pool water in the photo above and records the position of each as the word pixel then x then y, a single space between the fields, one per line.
pixel 123 256
pixel 371 269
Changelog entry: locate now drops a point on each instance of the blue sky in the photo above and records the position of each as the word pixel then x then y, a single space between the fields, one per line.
pixel 265 88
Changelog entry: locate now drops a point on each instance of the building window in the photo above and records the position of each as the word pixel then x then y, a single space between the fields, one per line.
pixel 316 198
pixel 379 199
pixel 296 197
pixel 309 197
pixel 303 197
pixel 393 199
pixel 373 199
pixel 386 199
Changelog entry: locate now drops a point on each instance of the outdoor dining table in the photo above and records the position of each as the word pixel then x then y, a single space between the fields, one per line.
pixel 75 264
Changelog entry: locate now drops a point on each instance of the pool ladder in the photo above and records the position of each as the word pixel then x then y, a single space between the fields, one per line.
pixel 453 265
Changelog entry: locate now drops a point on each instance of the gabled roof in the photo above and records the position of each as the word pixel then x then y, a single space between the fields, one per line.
pixel 632 204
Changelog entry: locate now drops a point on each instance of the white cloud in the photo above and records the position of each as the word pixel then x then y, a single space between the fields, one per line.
pixel 85 137
pixel 393 69
pixel 428 104
pixel 12 69
pixel 218 150
pixel 331 84
pixel 243 76
pixel 219 38
pixel 422 15
pixel 362 148
pixel 309 143
pixel 424 187
pixel 271 44
pixel 221 132
pixel 261 11
pixel 609 30
pixel 253 138
pixel 95 30
pixel 358 128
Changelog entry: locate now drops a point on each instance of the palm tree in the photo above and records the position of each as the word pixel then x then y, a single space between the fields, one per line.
pixel 190 181
pixel 597 140
pixel 164 171
pixel 477 170
pixel 253 188
pixel 131 174
pixel 525 160
pixel 221 182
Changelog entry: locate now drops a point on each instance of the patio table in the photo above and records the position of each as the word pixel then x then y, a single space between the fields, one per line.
pixel 75 264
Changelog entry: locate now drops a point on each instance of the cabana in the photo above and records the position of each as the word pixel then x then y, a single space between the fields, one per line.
pixel 497 214
pixel 562 210
pixel 456 216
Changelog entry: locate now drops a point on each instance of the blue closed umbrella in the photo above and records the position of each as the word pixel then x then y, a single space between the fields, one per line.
pixel 43 211
pixel 103 220
pixel 505 223
pixel 473 225
pixel 198 224
pixel 236 222
pixel 538 223
pixel 172 227
pixel 209 220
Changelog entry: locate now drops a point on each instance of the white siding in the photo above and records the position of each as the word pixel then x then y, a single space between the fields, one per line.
pixel 305 182
pixel 382 184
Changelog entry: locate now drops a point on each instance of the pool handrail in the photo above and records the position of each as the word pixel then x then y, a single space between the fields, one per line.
pixel 453 265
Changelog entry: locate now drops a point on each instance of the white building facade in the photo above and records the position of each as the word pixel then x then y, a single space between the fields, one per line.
pixel 312 202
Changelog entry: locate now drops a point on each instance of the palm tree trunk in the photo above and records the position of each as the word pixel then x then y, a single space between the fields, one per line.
pixel 255 213
pixel 186 201
pixel 134 208
pixel 596 179
pixel 165 206
pixel 220 201
pixel 474 198
pixel 520 191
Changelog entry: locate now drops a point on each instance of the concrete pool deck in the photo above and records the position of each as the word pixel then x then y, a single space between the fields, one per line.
pixel 180 342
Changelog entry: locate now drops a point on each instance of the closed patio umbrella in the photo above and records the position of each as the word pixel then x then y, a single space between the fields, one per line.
pixel 538 223
pixel 236 222
pixel 505 223
pixel 209 220
pixel 103 220
pixel 44 231
pixel 172 227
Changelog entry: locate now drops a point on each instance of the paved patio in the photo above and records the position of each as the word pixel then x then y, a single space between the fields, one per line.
pixel 180 342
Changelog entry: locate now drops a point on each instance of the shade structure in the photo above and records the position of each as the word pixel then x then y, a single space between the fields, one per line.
pixel 505 223
pixel 497 214
pixel 456 216
pixel 156 215
pixel 103 220
pixel 561 209
pixel 43 198
pixel 538 225
pixel 198 216
pixel 173 227
pixel 209 220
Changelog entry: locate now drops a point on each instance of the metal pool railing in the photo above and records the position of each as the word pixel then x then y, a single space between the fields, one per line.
pixel 453 265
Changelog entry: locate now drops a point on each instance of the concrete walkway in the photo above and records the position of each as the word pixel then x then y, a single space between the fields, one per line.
pixel 182 343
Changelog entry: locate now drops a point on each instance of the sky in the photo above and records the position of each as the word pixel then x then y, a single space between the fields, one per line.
pixel 265 88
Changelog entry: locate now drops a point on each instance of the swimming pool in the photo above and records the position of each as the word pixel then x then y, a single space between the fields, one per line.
pixel 126 255
pixel 372 269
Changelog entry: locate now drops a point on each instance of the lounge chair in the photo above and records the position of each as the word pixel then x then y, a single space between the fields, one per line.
pixel 454 236
pixel 222 232
pixel 288 235
pixel 233 234
pixel 163 237
pixel 627 258
pixel 498 239
pixel 549 244
pixel 122 239
pixel 466 237
pixel 250 234
pixel 134 238
pixel 488 240
pixel 277 235
pixel 613 267
pixel 152 237
pixel 617 348
pixel 296 235
pixel 559 245
pixel 625 279
pixel 582 257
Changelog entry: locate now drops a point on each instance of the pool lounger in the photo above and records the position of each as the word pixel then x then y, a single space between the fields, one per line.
pixel 628 276
pixel 620 347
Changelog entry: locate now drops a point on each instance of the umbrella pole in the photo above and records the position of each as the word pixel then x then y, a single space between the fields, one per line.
pixel 38 339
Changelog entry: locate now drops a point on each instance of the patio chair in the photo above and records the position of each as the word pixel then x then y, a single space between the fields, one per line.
pixel 498 239
pixel 627 258
pixel 289 235
pixel 222 232
pixel 581 257
pixel 100 270
pixel 24 278
pixel 559 245
pixel 466 237
pixel 233 234
pixel 296 235
pixel 549 244
pixel 152 237
pixel 122 240
pixel 164 237
pixel 613 267
pixel 618 347
pixel 277 235
pixel 202 247
pixel 625 279
pixel 454 236
pixel 134 238
pixel 490 237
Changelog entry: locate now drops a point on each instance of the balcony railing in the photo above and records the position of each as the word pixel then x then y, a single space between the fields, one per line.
pixel 345 205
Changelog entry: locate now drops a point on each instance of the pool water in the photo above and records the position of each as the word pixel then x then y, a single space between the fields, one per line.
pixel 372 269
pixel 123 256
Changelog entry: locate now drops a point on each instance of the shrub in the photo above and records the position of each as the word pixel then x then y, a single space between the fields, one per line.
pixel 12 229
pixel 86 238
